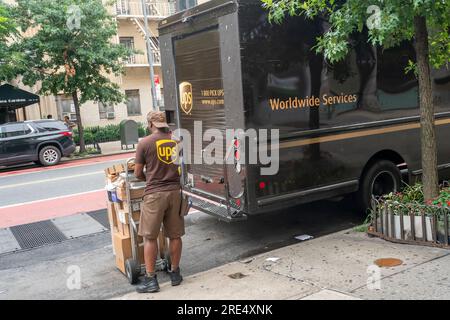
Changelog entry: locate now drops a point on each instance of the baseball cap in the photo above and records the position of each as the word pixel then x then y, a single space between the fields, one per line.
pixel 158 118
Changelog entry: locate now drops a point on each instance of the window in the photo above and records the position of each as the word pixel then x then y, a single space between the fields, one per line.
pixel 133 102
pixel 186 4
pixel 67 107
pixel 14 130
pixel 128 42
pixel 106 111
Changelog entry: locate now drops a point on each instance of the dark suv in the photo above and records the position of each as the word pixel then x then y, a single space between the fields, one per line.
pixel 41 141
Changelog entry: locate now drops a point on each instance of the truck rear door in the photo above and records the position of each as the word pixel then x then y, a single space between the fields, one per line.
pixel 201 97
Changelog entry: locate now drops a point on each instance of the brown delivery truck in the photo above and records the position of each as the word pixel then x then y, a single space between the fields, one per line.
pixel 346 128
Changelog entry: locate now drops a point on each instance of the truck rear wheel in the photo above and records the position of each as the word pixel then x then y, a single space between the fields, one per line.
pixel 381 178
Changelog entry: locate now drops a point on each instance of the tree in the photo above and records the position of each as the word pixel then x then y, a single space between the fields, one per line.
pixel 387 23
pixel 5 22
pixel 7 33
pixel 70 51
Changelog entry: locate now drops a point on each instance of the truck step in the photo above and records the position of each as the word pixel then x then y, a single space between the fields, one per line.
pixel 220 212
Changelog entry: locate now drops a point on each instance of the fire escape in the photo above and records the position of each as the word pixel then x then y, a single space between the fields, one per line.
pixel 132 10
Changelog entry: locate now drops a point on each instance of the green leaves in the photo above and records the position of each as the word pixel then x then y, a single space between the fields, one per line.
pixel 71 49
pixel 7 32
pixel 388 23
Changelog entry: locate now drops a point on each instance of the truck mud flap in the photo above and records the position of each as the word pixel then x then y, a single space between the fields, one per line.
pixel 217 210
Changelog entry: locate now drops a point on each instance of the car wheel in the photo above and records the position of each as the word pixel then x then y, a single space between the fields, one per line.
pixel 49 156
pixel 381 178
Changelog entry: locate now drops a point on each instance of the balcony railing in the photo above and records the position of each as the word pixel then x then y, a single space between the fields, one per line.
pixel 133 8
pixel 141 59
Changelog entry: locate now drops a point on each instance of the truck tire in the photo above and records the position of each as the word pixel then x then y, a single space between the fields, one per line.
pixel 49 156
pixel 382 177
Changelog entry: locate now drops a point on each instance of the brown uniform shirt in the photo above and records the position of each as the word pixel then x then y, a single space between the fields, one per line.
pixel 155 152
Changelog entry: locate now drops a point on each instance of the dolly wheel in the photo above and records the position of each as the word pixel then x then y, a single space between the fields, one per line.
pixel 133 270
pixel 167 260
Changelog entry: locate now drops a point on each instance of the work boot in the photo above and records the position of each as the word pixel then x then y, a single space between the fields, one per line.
pixel 149 285
pixel 175 277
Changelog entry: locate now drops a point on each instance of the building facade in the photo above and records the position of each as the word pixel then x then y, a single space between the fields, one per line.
pixel 135 83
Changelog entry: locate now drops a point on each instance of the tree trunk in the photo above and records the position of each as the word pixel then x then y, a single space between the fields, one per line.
pixel 427 129
pixel 80 125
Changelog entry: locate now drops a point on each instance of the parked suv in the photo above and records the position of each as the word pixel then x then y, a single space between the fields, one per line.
pixel 41 141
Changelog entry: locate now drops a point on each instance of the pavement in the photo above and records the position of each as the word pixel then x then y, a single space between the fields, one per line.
pixel 114 147
pixel 30 272
pixel 106 149
pixel 339 266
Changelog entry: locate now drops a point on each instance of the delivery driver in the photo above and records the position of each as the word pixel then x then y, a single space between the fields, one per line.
pixel 162 199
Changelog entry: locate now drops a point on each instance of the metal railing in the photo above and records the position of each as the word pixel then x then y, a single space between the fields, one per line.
pixel 141 59
pixel 133 8
pixel 412 223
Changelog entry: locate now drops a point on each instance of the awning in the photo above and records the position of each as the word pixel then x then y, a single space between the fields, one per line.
pixel 13 97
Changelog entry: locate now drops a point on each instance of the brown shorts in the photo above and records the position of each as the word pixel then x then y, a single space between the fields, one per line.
pixel 161 207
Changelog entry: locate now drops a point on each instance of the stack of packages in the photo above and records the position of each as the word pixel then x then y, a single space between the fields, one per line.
pixel 118 212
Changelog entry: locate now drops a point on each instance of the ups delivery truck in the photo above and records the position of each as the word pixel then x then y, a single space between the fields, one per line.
pixel 345 128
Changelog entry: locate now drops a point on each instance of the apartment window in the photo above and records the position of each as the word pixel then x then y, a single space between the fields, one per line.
pixel 106 111
pixel 128 42
pixel 133 102
pixel 186 4
pixel 67 107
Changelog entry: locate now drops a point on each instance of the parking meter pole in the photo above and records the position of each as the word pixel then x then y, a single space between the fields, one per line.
pixel 149 56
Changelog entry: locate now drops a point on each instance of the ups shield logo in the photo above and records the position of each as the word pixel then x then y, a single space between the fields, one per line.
pixel 185 89
pixel 166 150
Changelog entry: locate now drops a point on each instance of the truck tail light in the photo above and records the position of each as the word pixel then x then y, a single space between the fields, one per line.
pixel 237 155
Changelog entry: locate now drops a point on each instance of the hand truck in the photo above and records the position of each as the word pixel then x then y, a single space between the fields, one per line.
pixel 133 267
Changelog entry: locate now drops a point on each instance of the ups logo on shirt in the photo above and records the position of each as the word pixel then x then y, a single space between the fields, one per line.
pixel 166 150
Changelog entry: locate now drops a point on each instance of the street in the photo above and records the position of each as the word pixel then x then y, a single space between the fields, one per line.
pixel 53 191
pixel 76 188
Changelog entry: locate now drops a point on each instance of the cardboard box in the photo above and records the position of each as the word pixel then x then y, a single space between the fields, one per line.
pixel 123 229
pixel 135 206
pixel 112 216
pixel 112 173
pixel 122 212
pixel 134 193
pixel 122 247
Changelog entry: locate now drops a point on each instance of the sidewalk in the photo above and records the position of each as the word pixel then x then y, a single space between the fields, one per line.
pixel 114 147
pixel 107 149
pixel 330 267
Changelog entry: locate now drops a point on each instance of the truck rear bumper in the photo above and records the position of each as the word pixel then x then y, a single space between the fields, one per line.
pixel 216 209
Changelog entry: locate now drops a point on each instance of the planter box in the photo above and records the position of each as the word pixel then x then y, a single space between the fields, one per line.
pixel 417 227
